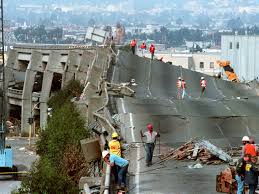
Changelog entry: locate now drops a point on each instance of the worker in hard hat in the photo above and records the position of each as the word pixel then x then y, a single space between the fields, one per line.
pixel 114 145
pixel 179 88
pixel 245 140
pixel 151 137
pixel 203 85
pixel 152 51
pixel 250 148
pixel 115 148
pixel 240 174
pixel 133 44
pixel 183 88
pixel 143 47
pixel 123 164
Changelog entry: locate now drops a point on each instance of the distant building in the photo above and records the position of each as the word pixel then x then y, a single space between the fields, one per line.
pixel 243 53
pixel 204 62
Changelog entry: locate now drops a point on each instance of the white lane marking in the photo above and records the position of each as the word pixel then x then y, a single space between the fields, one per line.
pixel 138 152
pixel 133 140
pixel 149 78
pixel 138 170
pixel 216 87
pixel 132 128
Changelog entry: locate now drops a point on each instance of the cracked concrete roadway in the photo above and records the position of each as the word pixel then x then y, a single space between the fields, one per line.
pixel 223 115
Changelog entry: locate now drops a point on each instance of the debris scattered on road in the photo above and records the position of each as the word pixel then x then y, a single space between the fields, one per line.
pixel 201 150
pixel 22 148
pixel 195 166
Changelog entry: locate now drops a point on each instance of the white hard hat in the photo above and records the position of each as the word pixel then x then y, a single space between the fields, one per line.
pixel 179 78
pixel 105 153
pixel 245 138
pixel 202 77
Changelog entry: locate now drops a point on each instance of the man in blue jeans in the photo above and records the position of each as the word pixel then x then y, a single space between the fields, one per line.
pixel 240 173
pixel 251 174
pixel 150 143
pixel 112 160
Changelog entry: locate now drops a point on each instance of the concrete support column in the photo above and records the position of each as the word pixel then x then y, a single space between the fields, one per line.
pixel 9 65
pixel 86 60
pixel 44 97
pixel 31 71
pixel 54 65
pixel 71 67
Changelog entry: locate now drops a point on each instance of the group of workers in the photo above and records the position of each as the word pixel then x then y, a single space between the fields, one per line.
pixel 181 86
pixel 143 46
pixel 119 165
pixel 247 171
pixel 113 155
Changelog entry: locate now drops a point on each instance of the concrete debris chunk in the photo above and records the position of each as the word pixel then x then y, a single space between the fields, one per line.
pixel 215 150
pixel 195 166
pixel 201 150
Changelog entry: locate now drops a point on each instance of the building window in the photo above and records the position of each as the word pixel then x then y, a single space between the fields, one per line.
pixel 212 65
pixel 237 45
pixel 230 45
pixel 201 65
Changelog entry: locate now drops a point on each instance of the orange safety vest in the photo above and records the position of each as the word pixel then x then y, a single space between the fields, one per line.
pixel 152 49
pixel 143 46
pixel 203 83
pixel 133 43
pixel 250 149
pixel 179 84
pixel 115 147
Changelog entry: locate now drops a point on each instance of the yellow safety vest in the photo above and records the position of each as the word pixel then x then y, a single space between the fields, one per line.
pixel 115 147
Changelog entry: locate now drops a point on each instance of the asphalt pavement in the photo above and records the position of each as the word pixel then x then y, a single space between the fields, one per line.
pixel 225 113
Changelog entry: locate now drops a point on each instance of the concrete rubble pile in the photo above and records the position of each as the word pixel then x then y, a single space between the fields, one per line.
pixel 201 150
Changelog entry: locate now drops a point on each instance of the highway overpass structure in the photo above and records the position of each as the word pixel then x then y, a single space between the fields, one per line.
pixel 225 113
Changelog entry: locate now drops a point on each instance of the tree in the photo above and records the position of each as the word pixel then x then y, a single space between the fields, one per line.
pixel 61 162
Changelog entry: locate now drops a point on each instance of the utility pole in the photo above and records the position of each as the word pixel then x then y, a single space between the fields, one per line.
pixel 2 82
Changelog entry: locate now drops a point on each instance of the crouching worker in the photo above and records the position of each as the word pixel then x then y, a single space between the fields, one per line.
pixel 114 160
pixel 251 174
pixel 115 148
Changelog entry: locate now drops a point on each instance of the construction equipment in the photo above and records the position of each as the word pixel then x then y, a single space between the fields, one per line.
pixel 228 70
pixel 6 152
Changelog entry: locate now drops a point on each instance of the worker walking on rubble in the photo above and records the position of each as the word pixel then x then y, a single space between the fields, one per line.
pixel 179 88
pixel 151 137
pixel 133 44
pixel 152 50
pixel 114 160
pixel 251 174
pixel 143 47
pixel 203 84
pixel 115 148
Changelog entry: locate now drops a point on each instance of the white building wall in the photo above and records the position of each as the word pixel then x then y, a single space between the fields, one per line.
pixel 245 59
pixel 192 61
